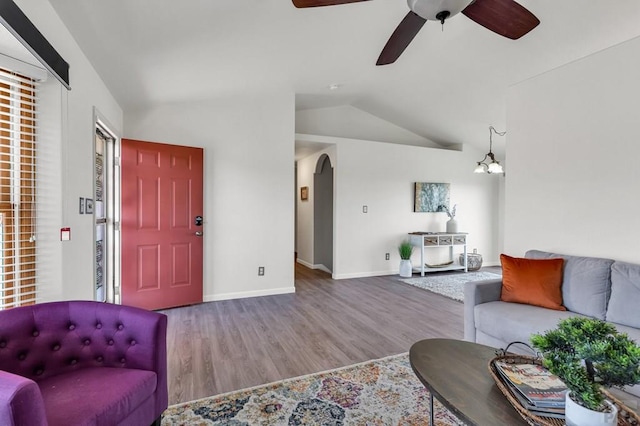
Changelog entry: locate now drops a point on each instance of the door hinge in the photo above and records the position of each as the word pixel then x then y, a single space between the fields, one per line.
pixel 116 161
pixel 116 226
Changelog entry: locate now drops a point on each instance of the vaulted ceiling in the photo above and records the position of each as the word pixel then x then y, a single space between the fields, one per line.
pixel 448 86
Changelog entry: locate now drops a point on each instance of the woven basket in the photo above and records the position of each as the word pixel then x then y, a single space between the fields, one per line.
pixel 626 417
pixel 532 419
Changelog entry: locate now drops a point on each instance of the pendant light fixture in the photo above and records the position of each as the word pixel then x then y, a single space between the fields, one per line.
pixel 494 166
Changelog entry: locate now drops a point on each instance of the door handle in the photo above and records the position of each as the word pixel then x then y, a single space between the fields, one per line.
pixel 199 233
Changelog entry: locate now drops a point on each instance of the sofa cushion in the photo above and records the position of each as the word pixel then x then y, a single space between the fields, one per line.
pixel 95 396
pixel 625 294
pixel 517 322
pixel 532 281
pixel 586 282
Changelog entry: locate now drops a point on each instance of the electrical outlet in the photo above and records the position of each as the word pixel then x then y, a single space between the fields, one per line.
pixel 365 209
pixel 386 256
pixel 260 271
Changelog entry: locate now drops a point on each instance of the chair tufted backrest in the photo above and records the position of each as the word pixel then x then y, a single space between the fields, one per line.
pixel 48 339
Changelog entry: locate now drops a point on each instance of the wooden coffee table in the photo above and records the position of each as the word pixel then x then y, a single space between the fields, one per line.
pixel 457 374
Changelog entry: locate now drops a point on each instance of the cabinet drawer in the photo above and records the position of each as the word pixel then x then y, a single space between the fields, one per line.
pixel 445 241
pixel 430 241
pixel 460 239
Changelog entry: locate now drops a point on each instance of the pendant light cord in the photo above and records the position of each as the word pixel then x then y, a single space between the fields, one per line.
pixel 491 131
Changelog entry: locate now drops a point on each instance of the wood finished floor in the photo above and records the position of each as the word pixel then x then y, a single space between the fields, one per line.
pixel 222 346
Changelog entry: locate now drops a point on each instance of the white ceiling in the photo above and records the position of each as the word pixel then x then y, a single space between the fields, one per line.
pixel 448 86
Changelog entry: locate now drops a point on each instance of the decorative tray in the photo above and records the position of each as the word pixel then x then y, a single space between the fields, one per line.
pixel 439 265
pixel 626 417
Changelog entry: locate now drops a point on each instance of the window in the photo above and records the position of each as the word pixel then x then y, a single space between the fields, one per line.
pixel 106 211
pixel 18 124
pixel 103 212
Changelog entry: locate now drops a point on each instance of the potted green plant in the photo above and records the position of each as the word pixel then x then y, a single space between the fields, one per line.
pixel 405 250
pixel 588 354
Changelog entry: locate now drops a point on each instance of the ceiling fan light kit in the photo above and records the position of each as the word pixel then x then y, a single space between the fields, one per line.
pixel 437 10
pixel 504 17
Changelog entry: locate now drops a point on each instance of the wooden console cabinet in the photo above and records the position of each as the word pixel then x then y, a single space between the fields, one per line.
pixel 427 240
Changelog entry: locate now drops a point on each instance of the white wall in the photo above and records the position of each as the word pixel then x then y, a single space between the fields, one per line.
pixel 350 122
pixel 382 176
pixel 67 268
pixel 249 173
pixel 573 149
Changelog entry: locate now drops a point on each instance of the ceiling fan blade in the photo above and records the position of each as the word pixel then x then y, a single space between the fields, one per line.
pixel 400 39
pixel 504 17
pixel 316 3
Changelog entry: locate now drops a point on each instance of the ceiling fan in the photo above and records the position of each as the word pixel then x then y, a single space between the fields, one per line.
pixel 504 17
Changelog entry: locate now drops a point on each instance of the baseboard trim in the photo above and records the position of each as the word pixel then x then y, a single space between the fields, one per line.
pixel 322 268
pixel 246 294
pixel 304 263
pixel 312 266
pixel 363 274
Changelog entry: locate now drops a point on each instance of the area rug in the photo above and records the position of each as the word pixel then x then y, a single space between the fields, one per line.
pixel 450 285
pixel 379 392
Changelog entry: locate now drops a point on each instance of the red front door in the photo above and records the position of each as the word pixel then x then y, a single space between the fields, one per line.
pixel 161 239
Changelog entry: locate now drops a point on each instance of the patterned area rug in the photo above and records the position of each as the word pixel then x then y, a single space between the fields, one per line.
pixel 379 392
pixel 450 285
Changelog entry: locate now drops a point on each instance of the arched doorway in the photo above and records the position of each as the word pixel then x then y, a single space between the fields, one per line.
pixel 323 214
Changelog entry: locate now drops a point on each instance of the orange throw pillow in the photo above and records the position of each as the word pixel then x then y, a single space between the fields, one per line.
pixel 532 281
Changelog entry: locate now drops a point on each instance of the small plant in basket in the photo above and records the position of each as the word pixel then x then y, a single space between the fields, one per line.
pixel 588 354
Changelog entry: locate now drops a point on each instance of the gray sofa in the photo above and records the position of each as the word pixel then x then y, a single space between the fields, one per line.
pixel 594 287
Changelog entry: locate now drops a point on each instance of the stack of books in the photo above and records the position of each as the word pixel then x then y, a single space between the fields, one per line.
pixel 539 391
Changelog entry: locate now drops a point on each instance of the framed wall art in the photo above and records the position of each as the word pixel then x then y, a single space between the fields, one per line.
pixel 304 193
pixel 430 196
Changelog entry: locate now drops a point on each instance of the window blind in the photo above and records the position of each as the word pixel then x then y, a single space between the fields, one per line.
pixel 18 245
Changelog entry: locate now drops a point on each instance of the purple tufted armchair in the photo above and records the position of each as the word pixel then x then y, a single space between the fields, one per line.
pixel 82 363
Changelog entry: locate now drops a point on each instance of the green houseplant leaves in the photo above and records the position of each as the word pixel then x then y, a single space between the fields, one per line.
pixel 405 249
pixel 586 354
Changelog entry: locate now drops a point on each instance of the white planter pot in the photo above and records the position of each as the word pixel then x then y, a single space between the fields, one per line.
pixel 577 415
pixel 452 226
pixel 405 269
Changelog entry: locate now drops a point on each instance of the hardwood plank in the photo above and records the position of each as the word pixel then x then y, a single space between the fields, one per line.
pixel 218 347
